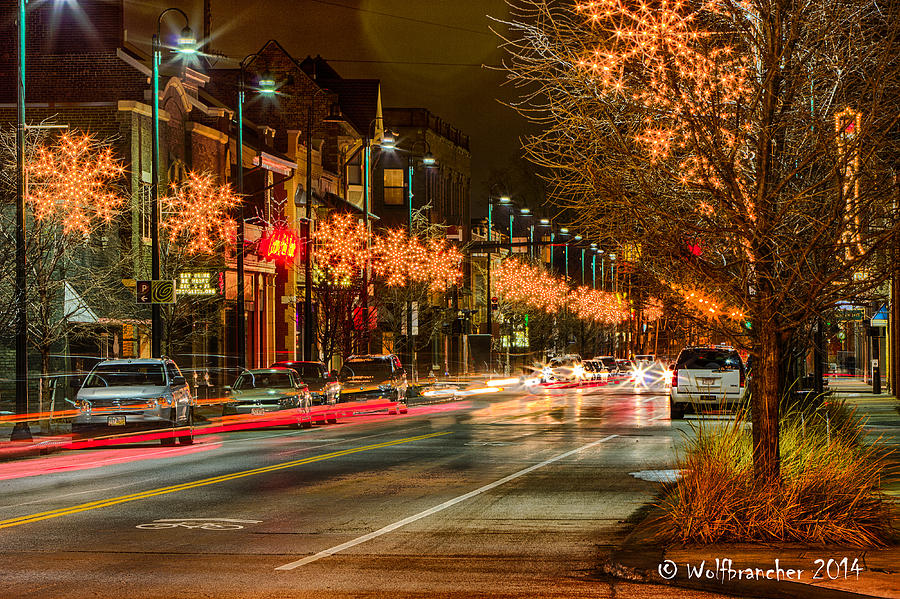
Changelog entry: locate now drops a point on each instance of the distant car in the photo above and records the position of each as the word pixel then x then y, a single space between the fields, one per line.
pixel 371 377
pixel 594 370
pixel 704 378
pixel 135 395
pixel 611 365
pixel 264 391
pixel 564 368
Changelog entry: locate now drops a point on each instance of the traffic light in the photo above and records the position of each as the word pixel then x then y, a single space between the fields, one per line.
pixel 495 302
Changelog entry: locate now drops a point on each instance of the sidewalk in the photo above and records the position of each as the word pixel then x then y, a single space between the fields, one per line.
pixel 788 570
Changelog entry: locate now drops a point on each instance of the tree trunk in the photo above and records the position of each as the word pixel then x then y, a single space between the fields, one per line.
pixel 45 389
pixel 764 399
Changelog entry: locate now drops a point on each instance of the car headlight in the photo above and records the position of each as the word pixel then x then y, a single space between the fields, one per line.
pixel 83 406
pixel 286 401
pixel 162 401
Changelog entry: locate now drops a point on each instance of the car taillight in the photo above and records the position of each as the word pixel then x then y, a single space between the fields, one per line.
pixel 675 378
pixel 742 377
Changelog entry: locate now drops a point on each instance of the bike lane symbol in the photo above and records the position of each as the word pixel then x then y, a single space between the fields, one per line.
pixel 197 523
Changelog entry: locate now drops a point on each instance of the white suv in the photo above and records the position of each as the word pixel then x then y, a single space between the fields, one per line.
pixel 706 378
pixel 148 394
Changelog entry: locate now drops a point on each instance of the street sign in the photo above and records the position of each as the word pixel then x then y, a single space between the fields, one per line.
pixel 142 292
pixel 853 314
pixel 198 282
pixel 162 292
pixel 154 292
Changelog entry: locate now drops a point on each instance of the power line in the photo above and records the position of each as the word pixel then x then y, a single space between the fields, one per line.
pixel 402 17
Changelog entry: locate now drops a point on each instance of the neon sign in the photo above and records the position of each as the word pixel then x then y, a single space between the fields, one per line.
pixel 281 245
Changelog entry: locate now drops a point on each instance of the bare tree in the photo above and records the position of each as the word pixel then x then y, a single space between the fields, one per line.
pixel 749 143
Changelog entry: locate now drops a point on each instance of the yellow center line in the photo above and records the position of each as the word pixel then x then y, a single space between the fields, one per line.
pixel 202 482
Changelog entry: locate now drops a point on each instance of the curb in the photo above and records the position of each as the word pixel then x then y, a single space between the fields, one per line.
pixel 642 554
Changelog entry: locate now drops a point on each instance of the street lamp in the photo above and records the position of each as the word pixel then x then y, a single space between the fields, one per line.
pixel 429 161
pixel 186 44
pixel 526 212
pixel 502 199
pixel 387 142
pixel 265 86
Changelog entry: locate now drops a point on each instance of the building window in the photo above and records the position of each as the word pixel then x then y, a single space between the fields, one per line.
pixel 393 187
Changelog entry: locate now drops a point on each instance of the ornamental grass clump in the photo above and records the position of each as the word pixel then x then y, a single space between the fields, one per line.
pixel 829 491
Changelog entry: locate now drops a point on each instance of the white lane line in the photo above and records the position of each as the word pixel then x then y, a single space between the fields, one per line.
pixel 435 509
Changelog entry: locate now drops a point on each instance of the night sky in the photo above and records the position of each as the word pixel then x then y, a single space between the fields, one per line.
pixel 399 37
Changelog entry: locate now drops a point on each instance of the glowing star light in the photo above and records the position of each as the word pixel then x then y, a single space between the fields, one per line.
pixel 197 214
pixel 340 245
pixel 71 180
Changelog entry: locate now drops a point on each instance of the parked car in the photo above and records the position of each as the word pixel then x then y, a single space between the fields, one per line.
pixel 564 368
pixel 323 385
pixel 371 377
pixel 128 395
pixel 704 378
pixel 265 391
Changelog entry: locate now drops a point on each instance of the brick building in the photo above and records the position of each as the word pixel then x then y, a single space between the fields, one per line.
pixel 92 80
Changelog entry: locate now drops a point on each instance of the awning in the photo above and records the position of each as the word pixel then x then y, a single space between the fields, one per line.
pixel 75 309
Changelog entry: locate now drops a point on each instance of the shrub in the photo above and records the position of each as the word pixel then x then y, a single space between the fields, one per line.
pixel 829 492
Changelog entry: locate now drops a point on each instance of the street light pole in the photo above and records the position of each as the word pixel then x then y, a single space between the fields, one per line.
pixel 429 161
pixel 307 258
pixel 21 431
pixel 185 44
pixel 240 308
pixel 266 86
pixel 488 296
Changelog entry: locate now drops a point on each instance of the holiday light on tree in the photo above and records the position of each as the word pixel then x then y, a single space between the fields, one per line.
pixel 340 245
pixel 401 259
pixel 598 306
pixel 653 310
pixel 198 214
pixel 536 288
pixel 657 56
pixel 72 180
pixel 443 264
pixel 707 305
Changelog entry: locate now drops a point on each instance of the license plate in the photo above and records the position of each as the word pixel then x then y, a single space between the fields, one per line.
pixel 257 411
pixel 706 381
pixel 115 420
pixel 708 398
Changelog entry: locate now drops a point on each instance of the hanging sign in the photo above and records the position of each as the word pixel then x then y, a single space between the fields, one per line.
pixel 281 245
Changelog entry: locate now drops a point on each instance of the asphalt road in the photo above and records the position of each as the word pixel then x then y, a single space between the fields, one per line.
pixel 511 494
